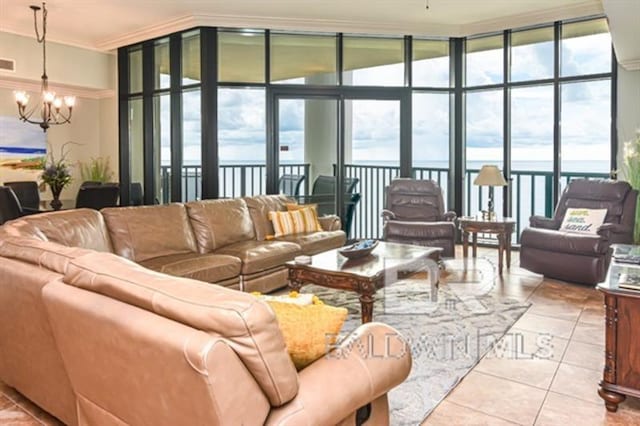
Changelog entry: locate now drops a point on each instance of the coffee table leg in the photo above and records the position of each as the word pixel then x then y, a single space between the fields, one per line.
pixel 366 307
pixel 294 284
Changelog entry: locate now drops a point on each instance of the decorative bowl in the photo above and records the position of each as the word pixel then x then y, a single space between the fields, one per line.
pixel 360 249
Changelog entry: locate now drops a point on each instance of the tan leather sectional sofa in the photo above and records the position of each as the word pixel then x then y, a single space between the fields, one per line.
pixel 95 337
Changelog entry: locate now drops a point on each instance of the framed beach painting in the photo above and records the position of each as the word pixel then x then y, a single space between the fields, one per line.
pixel 22 149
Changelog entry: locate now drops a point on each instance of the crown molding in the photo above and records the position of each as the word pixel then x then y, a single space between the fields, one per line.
pixel 586 8
pixel 630 64
pixel 276 23
pixel 63 41
pixel 13 83
pixel 157 30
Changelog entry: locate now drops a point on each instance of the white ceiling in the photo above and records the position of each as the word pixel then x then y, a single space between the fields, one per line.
pixel 106 25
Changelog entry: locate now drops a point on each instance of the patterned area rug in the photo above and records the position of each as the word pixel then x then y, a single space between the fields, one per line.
pixel 449 328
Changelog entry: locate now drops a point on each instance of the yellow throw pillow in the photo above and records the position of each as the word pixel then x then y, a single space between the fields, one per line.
pixel 309 331
pixel 293 206
pixel 295 222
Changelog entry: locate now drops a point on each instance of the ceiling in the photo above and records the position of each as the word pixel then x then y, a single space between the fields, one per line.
pixel 106 25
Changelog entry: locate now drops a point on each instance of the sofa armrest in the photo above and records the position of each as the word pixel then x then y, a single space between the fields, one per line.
pixel 387 215
pixel 450 216
pixel 366 365
pixel 543 222
pixel 330 222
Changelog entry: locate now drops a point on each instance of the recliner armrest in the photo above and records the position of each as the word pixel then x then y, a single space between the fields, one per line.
pixel 543 222
pixel 450 216
pixel 610 231
pixel 387 214
pixel 367 364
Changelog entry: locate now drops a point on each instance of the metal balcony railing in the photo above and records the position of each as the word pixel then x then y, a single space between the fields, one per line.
pixel 531 190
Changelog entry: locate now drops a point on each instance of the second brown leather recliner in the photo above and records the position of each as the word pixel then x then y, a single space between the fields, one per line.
pixel 414 214
pixel 578 257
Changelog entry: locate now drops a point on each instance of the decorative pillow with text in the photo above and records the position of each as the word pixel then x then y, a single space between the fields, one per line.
pixel 585 221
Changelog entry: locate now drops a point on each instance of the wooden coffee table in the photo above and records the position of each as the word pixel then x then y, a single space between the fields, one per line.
pixel 366 275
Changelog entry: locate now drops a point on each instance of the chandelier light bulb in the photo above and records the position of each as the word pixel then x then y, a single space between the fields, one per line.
pixel 70 101
pixel 21 97
pixel 57 103
pixel 48 97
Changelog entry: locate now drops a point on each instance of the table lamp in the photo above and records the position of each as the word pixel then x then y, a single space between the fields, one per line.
pixel 490 176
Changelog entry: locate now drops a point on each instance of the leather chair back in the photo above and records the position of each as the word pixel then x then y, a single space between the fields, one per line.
pixel 415 200
pixel 97 197
pixel 10 207
pixel 27 193
pixel 615 196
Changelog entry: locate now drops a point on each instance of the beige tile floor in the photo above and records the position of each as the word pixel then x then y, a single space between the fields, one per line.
pixel 545 371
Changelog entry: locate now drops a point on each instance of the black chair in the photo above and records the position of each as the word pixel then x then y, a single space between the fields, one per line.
pixel 10 207
pixel 98 197
pixel 324 190
pixel 28 194
pixel 290 184
pixel 136 196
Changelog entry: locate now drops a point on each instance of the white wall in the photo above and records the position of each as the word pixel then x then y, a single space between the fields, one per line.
pixel 89 75
pixel 628 107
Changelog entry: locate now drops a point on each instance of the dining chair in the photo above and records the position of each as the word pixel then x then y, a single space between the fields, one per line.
pixel 98 197
pixel 28 194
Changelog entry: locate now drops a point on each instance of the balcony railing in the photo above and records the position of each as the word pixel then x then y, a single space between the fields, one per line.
pixel 531 190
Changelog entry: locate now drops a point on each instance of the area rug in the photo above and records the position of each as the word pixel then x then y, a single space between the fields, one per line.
pixel 449 327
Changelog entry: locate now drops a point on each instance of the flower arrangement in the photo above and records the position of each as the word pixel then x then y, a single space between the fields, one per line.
pixel 631 169
pixel 56 173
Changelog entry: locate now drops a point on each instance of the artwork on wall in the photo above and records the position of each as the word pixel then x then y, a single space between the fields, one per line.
pixel 22 148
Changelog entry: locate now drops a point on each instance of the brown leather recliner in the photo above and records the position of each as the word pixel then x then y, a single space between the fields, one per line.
pixel 414 214
pixel 576 257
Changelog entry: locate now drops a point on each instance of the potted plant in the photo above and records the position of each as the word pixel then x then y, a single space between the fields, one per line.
pixel 56 174
pixel 631 168
pixel 96 170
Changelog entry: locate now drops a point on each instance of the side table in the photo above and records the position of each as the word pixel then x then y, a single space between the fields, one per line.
pixel 502 227
pixel 621 375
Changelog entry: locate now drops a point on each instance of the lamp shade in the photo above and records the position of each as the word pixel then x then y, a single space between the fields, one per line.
pixel 490 176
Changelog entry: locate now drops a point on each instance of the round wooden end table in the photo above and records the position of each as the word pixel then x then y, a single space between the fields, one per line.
pixel 502 227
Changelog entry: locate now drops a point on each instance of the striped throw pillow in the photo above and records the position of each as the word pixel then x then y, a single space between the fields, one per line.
pixel 295 222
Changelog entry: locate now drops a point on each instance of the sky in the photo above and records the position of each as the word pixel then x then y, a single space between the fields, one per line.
pixel 585 120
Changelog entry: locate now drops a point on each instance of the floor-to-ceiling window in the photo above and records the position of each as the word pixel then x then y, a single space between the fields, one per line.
pixel 236 109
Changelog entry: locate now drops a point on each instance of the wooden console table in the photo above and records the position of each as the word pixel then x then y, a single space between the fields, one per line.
pixel 502 227
pixel 621 376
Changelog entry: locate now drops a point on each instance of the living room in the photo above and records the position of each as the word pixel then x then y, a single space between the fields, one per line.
pixel 191 101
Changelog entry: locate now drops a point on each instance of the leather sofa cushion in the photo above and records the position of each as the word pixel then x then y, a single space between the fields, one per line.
pixel 217 223
pixel 74 228
pixel 317 242
pixel 209 268
pixel 141 233
pixel 259 208
pixel 563 242
pixel 247 325
pixel 52 256
pixel 420 230
pixel 259 256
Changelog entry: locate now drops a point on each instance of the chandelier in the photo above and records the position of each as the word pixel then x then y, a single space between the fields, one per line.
pixel 51 111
